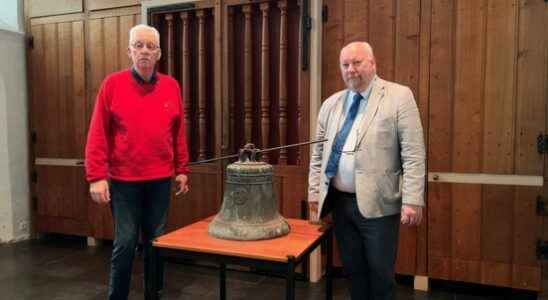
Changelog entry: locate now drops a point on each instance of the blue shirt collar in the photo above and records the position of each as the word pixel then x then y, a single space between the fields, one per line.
pixel 140 80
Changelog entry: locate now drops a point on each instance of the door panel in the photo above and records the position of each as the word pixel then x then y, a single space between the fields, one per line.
pixel 57 113
pixel 484 119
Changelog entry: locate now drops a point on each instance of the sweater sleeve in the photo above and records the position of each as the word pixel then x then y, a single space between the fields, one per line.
pixel 180 145
pixel 97 145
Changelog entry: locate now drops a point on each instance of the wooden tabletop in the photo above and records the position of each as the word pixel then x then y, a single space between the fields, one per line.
pixel 194 237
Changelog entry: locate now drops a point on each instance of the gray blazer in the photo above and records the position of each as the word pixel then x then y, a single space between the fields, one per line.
pixel 390 155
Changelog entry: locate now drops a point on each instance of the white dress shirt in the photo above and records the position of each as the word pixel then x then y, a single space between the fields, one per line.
pixel 344 179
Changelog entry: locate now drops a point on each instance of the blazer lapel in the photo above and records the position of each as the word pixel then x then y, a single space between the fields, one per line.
pixel 375 98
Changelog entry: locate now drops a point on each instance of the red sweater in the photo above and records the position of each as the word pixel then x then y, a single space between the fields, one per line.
pixel 137 130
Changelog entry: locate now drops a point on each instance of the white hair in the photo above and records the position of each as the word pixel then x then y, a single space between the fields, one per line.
pixel 365 45
pixel 141 27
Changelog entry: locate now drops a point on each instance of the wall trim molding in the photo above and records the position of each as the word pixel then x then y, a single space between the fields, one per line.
pixel 482 178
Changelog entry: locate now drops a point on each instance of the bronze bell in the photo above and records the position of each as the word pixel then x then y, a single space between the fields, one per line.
pixel 249 210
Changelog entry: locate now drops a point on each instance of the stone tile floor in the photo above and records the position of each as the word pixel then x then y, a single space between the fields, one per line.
pixel 63 267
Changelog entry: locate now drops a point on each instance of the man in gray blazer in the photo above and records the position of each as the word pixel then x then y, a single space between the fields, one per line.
pixel 370 173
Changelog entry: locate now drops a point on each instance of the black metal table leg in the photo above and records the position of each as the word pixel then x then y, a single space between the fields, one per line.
pixel 222 281
pixel 329 267
pixel 290 278
pixel 152 286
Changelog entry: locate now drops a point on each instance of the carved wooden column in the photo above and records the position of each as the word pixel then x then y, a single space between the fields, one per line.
pixel 185 76
pixel 230 61
pixel 265 81
pixel 169 44
pixel 202 122
pixel 282 160
pixel 248 92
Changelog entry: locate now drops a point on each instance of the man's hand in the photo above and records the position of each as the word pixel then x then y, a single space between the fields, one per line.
pixel 411 214
pixel 99 191
pixel 182 184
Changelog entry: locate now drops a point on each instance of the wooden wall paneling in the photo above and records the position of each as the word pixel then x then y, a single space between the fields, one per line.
pixel 63 109
pixel 125 23
pixel 496 232
pixel 57 113
pixel 531 86
pixel 407 47
pixel 441 88
pixel 37 67
pixel 203 199
pixel 40 8
pixel 356 25
pixel 382 35
pixel 423 99
pixel 499 96
pixel 291 189
pixel 467 138
pixel 62 200
pixel 50 138
pixel 79 87
pixel 96 61
pixel 526 272
pixel 111 36
pixel 116 12
pixel 440 236
pixel 544 230
pixel 108 4
pixel 465 225
pixel 497 227
pixel 333 35
pixel 469 78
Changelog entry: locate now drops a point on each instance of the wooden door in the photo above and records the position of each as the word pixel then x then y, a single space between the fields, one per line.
pixel 57 114
pixel 398 37
pixel 487 107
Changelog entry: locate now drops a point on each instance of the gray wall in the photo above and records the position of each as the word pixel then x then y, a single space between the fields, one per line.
pixel 11 15
pixel 14 185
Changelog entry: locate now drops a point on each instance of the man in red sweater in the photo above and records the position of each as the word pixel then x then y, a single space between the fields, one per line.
pixel 137 141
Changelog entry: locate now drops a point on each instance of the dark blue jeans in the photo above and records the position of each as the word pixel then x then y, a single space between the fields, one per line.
pixel 137 207
pixel 368 248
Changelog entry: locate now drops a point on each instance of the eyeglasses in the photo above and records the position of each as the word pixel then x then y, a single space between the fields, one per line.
pixel 141 45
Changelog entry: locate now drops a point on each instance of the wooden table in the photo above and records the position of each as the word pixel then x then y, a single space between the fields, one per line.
pixel 281 254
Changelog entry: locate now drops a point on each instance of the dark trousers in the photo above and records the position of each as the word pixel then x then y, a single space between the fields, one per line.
pixel 368 248
pixel 137 207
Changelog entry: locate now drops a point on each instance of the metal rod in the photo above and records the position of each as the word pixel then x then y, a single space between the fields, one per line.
pixel 264 150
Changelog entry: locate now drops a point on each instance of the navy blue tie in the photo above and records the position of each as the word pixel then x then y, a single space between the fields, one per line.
pixel 340 139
